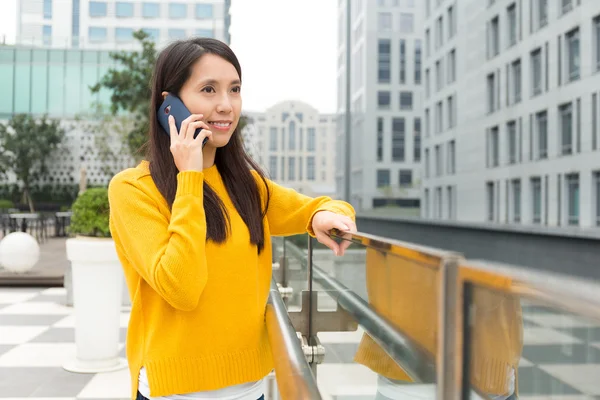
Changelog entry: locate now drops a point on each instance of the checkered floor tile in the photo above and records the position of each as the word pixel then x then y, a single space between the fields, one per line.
pixel 561 356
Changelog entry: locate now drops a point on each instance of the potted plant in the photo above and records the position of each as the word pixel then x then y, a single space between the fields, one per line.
pixel 97 280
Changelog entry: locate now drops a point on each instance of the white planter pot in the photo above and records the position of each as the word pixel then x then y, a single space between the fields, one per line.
pixel 97 296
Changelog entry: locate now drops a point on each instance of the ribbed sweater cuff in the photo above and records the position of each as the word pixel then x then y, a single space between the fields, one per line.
pixel 190 182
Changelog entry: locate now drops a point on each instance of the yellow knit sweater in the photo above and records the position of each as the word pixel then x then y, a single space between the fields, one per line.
pixel 197 318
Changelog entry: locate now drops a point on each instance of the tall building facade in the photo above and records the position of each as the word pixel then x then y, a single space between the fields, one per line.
pixel 511 111
pixel 386 98
pixel 295 145
pixel 109 24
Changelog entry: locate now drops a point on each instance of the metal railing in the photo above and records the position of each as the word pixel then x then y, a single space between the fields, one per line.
pixel 457 280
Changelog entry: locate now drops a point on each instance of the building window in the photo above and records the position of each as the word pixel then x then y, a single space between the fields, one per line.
pixel 419 62
pixel 565 112
pixel 450 108
pixel 97 9
pixel 451 157
pixel 427 165
pixel 493 37
pixel 438 203
pixel 124 9
pixel 451 22
pixel 491 93
pixel 47 35
pixel 417 140
pixel 427 123
pixel 596 40
pixel 205 33
pixel 383 100
pixel 398 139
pixel 273 167
pixel 152 33
pixel 407 23
pixel 427 83
pixel 383 178
pixel 311 140
pixel 572 181
pixel 573 54
pixel 273 139
pixel 204 11
pixel 310 168
pixel 516 81
pixel 383 70
pixel 597 195
pixel 124 34
pixel 402 61
pixel 380 139
pixel 292 168
pixel 536 71
pixel 490 201
pixel 150 10
pixel 426 198
pixel 566 6
pixel 384 21
pixel 427 43
pixel 292 136
pixel 541 121
pixel 47 9
pixel 511 129
pixel 536 195
pixel 406 100
pixel 516 196
pixel 439 76
pixel 300 168
pixel 512 24
pixel 542 10
pixel 439 32
pixel 177 10
pixel 439 170
pixel 494 147
pixel 439 114
pixel 97 34
pixel 405 178
pixel 451 65
pixel 176 33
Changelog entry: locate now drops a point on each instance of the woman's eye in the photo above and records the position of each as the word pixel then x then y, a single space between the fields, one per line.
pixel 208 89
pixel 236 89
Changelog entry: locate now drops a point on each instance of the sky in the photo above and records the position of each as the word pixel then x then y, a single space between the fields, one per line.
pixel 287 49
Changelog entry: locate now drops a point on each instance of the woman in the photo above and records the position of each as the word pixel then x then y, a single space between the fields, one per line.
pixel 192 228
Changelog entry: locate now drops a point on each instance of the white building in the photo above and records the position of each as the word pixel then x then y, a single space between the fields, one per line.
pixel 386 98
pixel 511 111
pixel 296 146
pixel 109 24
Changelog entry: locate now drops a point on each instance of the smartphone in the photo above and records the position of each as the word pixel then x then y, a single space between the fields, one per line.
pixel 172 105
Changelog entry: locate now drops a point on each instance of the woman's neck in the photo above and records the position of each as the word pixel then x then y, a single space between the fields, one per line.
pixel 208 155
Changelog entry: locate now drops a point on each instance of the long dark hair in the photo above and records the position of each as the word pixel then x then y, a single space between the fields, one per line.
pixel 172 70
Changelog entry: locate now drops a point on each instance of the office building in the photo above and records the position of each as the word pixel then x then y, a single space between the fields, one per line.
pixel 386 102
pixel 296 146
pixel 511 111
pixel 109 24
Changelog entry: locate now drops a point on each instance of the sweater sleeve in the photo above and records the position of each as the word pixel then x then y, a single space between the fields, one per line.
pixel 291 213
pixel 168 254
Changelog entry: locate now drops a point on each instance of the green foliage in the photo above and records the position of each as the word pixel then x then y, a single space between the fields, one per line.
pixel 91 213
pixel 26 143
pixel 4 204
pixel 130 88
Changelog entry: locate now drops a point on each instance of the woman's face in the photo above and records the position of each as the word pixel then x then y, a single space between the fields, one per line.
pixel 213 90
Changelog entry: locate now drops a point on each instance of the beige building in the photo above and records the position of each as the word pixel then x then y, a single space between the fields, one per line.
pixel 295 145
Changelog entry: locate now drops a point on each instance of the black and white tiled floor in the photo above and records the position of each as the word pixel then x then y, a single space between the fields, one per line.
pixel 561 356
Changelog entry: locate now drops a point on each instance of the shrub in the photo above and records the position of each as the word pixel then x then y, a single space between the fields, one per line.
pixel 91 213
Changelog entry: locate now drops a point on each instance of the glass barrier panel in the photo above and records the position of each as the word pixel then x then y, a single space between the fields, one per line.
pixel 394 295
pixel 525 349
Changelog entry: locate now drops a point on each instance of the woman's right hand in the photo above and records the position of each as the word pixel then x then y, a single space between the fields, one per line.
pixel 187 151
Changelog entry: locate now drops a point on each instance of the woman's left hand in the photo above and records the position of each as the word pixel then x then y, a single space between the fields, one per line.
pixel 322 224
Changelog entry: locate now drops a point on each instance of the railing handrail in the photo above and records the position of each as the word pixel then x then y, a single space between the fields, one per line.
pixel 417 363
pixel 294 377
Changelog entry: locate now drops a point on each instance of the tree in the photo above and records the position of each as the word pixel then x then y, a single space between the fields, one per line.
pixel 26 143
pixel 131 91
pixel 130 88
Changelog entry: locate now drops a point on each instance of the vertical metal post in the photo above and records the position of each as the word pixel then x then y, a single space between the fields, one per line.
pixel 309 338
pixel 348 123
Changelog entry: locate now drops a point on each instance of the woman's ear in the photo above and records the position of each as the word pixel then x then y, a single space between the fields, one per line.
pixel 164 95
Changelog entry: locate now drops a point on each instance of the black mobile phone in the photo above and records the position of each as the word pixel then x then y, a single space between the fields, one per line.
pixel 172 105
